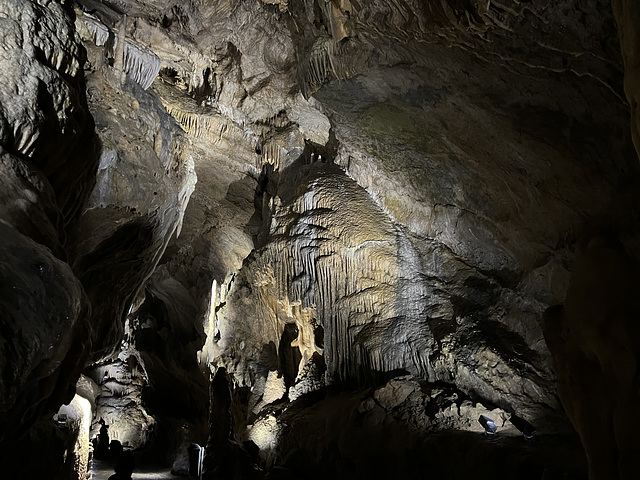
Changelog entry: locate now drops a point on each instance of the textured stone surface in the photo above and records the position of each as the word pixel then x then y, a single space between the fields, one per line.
pixel 476 248
pixel 45 148
pixel 389 197
pixel 75 417
pixel 433 433
pixel 119 401
pixel 43 329
pixel 44 112
pixel 142 185
pixel 627 15
pixel 64 216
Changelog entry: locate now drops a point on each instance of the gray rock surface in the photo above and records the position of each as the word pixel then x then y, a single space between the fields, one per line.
pixel 361 211
pixel 45 149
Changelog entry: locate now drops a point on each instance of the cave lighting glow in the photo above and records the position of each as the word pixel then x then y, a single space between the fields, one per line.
pixel 78 415
pixel 130 430
pixel 265 433
pixel 210 321
pixel 82 444
pixel 489 425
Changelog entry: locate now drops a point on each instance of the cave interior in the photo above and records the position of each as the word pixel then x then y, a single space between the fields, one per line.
pixel 343 239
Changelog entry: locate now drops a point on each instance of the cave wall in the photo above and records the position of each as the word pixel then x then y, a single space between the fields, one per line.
pixel 384 190
pixel 627 14
pixel 78 241
pixel 476 162
pixel 47 160
pixel 593 336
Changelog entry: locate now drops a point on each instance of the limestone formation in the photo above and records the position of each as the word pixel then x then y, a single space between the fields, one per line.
pixel 46 144
pixel 321 239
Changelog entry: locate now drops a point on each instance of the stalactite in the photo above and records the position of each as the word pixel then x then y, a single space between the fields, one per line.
pixel 271 153
pixel 135 59
pixel 25 139
pixel 98 30
pixel 199 125
pixel 141 64
pixel 325 59
pixel 355 285
pixel 118 61
pixel 360 282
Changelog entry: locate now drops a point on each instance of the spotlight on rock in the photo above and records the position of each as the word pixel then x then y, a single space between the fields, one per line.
pixel 521 424
pixel 196 455
pixel 488 424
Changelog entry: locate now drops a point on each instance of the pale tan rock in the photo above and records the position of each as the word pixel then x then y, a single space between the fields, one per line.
pixel 274 388
pixel 394 393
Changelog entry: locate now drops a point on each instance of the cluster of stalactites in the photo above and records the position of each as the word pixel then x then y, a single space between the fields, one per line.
pixel 198 125
pixel 324 61
pixel 354 283
pixel 138 62
pixel 271 153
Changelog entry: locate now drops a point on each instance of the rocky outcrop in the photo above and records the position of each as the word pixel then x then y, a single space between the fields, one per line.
pixel 65 217
pixel 417 216
pixel 407 428
pixel 46 148
pixel 594 337
pixel 454 248
pixel 143 183
pixel 119 402
pixel 316 272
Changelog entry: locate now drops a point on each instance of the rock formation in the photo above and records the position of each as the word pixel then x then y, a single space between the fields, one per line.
pixel 322 237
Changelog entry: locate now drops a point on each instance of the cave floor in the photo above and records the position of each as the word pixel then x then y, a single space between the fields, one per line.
pixel 103 470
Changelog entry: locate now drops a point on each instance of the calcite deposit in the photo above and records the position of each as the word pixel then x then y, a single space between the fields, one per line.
pixel 323 239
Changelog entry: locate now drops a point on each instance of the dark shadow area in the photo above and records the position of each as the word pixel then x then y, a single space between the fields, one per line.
pixel 289 357
pixel 335 438
pixel 176 393
pixel 117 266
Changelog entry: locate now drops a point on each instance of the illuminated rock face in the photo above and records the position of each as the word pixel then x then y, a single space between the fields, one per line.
pixel 389 195
pixel 77 241
pixel 119 402
pixel 328 273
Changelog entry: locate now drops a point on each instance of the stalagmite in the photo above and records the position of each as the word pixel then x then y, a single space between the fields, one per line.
pixel 389 197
